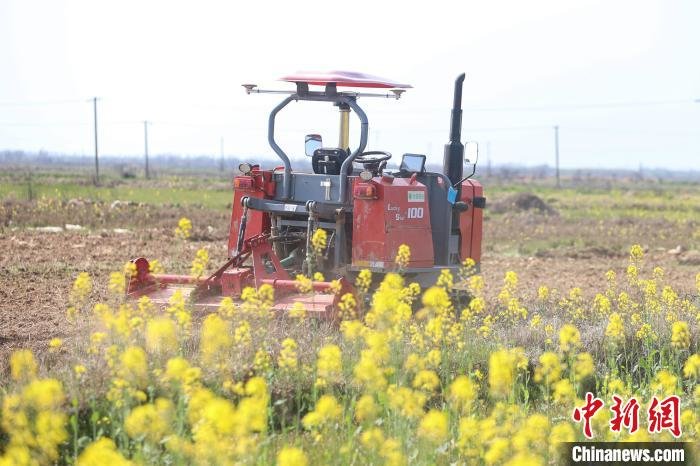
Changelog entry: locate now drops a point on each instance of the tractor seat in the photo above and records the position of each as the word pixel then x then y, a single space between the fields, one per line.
pixel 327 161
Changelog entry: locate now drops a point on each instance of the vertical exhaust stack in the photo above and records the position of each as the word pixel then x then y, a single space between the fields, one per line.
pixel 454 150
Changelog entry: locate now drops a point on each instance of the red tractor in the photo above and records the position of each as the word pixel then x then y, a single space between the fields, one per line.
pixel 366 210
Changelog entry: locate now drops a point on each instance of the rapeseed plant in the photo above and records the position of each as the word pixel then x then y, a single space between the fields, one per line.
pixel 184 228
pixel 439 385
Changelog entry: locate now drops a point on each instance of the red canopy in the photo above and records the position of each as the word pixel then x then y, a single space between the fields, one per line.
pixel 342 78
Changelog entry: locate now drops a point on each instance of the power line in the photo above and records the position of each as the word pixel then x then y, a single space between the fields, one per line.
pixel 28 103
pixel 568 106
pixel 45 124
pixel 581 106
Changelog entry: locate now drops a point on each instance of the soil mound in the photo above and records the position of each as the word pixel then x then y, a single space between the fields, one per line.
pixel 522 202
pixel 689 258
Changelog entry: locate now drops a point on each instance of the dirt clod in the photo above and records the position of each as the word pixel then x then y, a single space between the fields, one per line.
pixel 522 202
pixel 689 258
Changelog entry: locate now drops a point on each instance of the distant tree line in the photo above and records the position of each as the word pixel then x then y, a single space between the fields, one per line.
pixel 131 166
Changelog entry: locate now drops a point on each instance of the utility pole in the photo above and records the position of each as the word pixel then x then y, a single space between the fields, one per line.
pixel 145 145
pixel 488 159
pixel 556 153
pixel 221 162
pixel 97 162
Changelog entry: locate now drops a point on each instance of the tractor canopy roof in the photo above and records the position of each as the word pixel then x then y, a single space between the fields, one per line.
pixel 343 78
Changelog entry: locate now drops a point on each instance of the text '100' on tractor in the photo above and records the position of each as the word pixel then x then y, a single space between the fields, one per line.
pixel 366 210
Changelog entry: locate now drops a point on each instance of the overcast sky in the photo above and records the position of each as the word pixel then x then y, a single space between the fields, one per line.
pixel 530 65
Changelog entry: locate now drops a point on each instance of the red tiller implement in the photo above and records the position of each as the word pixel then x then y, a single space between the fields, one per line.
pixel 231 278
pixel 368 211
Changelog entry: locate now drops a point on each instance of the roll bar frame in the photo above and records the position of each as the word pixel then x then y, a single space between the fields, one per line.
pixel 330 95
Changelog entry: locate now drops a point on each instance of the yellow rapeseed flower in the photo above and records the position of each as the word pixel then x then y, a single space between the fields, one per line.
pixel 82 286
pixel 615 331
pixel 151 422
pixel 55 345
pixel 403 256
pixel 406 401
pixel 262 361
pixel 550 368
pixel 525 459
pixel 214 340
pixel 665 383
pixel 691 368
pixel 366 409
pixel 498 451
pixel 680 335
pixel 363 280
pixel 569 338
pixel 288 355
pixel 510 280
pixel 502 371
pixel 180 371
pixel 583 366
pixel 462 393
pixel 476 284
pixel 445 280
pixel 390 451
pixel 23 366
pixel 426 380
pixel 329 364
pixel 134 365
pixel 348 306
pixel 532 434
pixel 561 432
pixel 242 334
pixel 646 333
pixel 161 335
pixel 434 426
pixel 292 456
pixel 178 309
pixel 326 411
pixel 303 283
pixel 368 373
pixel 564 393
pixel 43 394
pixel 437 300
pixel 636 253
pixel 155 267
pixel 200 262
pixel 352 329
pixel 101 452
pixel 117 283
pixel 184 228
pixel 298 311
pixel 372 438
pixel 318 241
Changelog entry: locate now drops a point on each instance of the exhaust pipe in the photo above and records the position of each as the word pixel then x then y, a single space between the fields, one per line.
pixel 452 165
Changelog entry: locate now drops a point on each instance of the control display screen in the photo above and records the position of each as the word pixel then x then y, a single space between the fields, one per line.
pixel 413 163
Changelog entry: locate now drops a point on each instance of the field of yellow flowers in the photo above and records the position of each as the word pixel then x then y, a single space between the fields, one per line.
pixel 406 377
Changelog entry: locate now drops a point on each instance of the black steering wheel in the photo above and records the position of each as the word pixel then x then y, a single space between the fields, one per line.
pixel 372 157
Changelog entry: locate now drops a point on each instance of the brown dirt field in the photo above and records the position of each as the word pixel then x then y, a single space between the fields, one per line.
pixel 37 268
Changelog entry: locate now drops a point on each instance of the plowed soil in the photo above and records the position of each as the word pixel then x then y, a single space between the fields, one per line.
pixel 37 268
